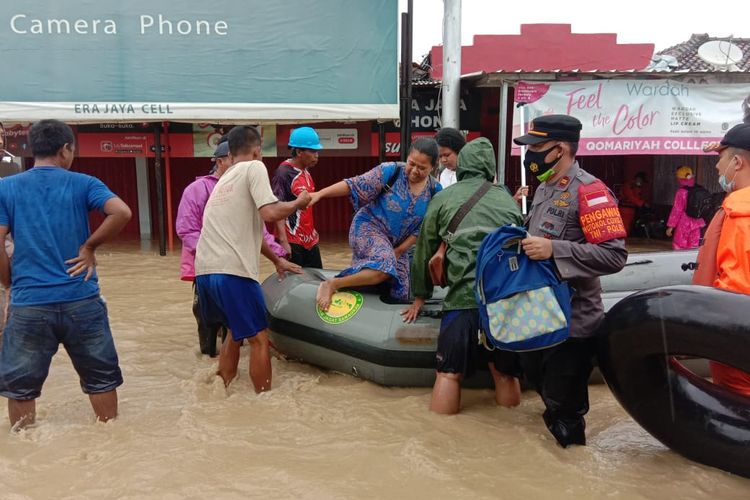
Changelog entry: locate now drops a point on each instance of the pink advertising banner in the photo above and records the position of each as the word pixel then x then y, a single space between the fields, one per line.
pixel 626 117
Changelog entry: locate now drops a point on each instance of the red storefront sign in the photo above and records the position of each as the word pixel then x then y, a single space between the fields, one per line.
pixel 119 144
pixel 16 139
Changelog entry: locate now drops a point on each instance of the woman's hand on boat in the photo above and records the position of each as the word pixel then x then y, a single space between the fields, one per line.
pixel 283 266
pixel 409 315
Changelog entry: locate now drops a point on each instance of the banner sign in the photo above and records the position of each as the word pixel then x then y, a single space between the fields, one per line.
pixel 111 140
pixel 237 62
pixel 339 138
pixel 352 139
pixel 630 117
pixel 206 138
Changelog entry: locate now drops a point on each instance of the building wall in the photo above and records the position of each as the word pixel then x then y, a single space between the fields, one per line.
pixel 119 175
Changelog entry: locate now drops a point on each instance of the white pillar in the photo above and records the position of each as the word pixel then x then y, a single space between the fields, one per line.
pixel 524 208
pixel 502 135
pixel 451 63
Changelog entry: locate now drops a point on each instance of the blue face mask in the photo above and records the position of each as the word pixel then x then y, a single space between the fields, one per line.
pixel 727 186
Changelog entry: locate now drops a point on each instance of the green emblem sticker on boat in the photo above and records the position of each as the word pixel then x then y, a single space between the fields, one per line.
pixel 344 305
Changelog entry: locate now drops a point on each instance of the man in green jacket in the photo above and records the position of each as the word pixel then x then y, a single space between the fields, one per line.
pixel 458 351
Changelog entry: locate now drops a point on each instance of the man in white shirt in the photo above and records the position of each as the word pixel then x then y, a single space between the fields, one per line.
pixel 227 258
pixel 450 141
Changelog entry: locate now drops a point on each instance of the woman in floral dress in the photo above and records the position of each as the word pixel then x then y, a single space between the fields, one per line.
pixel 386 222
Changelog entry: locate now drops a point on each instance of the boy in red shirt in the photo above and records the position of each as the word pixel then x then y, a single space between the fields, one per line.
pixel 297 232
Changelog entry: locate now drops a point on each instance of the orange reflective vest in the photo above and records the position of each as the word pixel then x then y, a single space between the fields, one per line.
pixel 724 262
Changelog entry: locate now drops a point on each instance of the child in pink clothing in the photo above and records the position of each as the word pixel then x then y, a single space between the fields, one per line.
pixel 686 229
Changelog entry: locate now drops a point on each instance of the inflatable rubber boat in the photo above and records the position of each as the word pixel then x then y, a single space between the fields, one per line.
pixel 692 416
pixel 363 334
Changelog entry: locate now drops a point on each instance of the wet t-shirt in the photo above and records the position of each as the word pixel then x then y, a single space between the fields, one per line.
pixel 232 233
pixel 47 212
pixel 288 182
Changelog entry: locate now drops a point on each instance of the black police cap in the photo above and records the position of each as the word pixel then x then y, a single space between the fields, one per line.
pixel 551 128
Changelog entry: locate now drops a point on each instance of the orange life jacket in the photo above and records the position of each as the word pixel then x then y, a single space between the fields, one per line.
pixel 724 262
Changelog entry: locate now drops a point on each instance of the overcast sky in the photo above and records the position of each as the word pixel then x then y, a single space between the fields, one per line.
pixel 663 23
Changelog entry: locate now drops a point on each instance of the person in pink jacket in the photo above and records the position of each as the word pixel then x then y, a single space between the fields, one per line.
pixel 686 229
pixel 189 224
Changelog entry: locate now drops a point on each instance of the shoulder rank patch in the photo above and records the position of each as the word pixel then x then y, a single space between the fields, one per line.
pixel 598 213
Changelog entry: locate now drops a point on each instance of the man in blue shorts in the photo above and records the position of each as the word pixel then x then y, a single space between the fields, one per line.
pixel 54 288
pixel 458 352
pixel 227 259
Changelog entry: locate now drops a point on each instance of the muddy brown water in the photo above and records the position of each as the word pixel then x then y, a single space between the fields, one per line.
pixel 316 435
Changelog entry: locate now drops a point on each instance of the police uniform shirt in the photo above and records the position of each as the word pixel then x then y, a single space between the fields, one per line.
pixel 554 214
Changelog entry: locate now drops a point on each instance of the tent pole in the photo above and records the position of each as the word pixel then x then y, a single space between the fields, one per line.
pixel 159 177
pixel 521 109
pixel 168 175
pixel 381 142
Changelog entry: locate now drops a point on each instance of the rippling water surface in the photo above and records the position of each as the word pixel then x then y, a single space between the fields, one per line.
pixel 317 434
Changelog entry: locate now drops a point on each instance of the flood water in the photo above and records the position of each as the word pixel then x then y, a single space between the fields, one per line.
pixel 316 435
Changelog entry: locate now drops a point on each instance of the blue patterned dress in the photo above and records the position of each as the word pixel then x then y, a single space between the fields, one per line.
pixel 384 221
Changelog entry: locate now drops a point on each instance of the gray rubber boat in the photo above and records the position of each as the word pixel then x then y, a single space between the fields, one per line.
pixel 364 335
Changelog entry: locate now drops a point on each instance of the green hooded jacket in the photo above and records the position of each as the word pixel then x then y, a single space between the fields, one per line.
pixel 476 164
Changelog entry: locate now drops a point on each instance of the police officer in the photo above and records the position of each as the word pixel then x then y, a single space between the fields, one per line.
pixel 573 220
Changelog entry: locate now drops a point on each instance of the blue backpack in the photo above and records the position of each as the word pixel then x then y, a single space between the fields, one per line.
pixel 523 305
